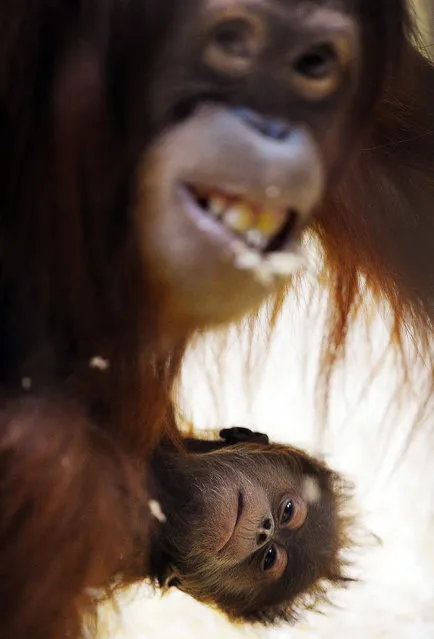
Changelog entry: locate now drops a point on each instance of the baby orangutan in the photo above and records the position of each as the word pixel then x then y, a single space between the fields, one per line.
pixel 253 528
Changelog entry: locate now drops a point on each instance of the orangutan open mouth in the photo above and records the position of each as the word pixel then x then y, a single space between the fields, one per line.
pixel 260 235
pixel 262 227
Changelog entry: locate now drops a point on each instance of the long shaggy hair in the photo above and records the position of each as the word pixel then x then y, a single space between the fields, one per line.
pixel 78 106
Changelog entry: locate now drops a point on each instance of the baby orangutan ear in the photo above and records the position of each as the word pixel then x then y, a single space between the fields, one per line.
pixel 173 582
pixel 169 578
pixel 239 434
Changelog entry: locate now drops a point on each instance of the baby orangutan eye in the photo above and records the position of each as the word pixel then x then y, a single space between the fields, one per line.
pixel 288 512
pixel 270 558
pixel 294 513
pixel 274 562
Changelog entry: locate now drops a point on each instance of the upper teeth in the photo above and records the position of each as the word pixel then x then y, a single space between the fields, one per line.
pixel 256 238
pixel 239 217
pixel 217 205
pixel 258 224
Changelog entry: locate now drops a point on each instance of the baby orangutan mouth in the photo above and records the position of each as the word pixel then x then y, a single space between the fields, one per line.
pixel 239 512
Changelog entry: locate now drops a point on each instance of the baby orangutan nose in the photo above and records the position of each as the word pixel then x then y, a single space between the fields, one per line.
pixel 264 532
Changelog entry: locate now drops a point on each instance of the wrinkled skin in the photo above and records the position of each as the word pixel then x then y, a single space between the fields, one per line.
pixel 252 527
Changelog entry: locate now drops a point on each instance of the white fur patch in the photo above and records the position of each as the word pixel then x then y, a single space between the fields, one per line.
pixel 311 491
pixel 156 511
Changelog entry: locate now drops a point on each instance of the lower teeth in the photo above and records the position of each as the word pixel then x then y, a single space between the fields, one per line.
pixel 265 268
pixel 247 260
pixel 256 239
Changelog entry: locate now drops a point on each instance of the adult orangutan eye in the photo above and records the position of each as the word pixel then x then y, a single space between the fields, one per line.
pixel 234 43
pixel 288 512
pixel 270 558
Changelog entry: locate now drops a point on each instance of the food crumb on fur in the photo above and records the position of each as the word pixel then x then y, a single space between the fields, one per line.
pixel 99 363
pixel 266 268
pixel 273 191
pixel 156 511
pixel 285 263
pixel 26 383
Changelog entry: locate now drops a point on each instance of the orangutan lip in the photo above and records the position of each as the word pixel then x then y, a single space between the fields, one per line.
pixel 262 227
pixel 240 508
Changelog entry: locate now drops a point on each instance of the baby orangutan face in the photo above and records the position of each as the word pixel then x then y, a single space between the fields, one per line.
pixel 251 528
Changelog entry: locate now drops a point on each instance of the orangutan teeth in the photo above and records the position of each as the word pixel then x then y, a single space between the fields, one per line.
pixel 270 222
pixel 247 260
pixel 256 239
pixel 239 217
pixel 257 224
pixel 217 205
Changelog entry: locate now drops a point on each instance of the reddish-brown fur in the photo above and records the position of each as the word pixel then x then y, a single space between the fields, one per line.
pixel 376 233
pixel 71 288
